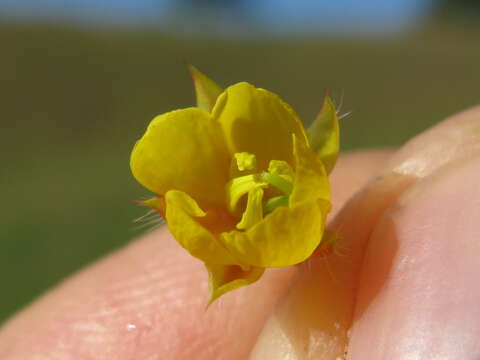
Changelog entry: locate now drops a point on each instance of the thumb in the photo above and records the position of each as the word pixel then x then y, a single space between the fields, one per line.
pixel 313 320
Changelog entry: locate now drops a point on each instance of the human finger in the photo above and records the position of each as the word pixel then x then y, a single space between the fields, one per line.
pixel 148 301
pixel 314 318
pixel 419 293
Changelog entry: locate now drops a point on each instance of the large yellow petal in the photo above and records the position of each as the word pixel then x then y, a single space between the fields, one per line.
pixel 324 134
pixel 183 216
pixel 285 237
pixel 183 150
pixel 206 90
pixel 227 278
pixel 289 235
pixel 258 122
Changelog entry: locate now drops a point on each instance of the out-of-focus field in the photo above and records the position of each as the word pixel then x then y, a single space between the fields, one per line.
pixel 73 102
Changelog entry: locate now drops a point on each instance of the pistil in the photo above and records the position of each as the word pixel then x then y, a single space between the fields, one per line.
pixel 279 176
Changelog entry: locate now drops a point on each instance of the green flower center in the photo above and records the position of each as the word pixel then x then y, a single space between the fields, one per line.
pixel 265 191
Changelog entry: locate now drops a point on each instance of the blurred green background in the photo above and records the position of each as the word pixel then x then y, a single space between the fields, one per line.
pixel 74 99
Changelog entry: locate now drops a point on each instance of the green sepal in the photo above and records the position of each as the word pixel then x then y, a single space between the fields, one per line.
pixel 324 135
pixel 206 90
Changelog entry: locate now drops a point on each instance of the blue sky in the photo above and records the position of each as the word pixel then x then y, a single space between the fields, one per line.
pixel 308 12
pixel 270 14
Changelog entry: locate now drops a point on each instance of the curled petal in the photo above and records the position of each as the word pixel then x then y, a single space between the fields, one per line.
pixel 227 278
pixel 311 181
pixel 285 237
pixel 254 210
pixel 183 150
pixel 258 122
pixel 183 216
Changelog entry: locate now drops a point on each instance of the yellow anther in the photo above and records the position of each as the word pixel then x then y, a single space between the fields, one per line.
pixel 245 161
pixel 282 168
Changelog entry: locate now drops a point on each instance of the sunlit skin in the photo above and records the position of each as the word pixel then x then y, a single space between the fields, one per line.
pixel 398 245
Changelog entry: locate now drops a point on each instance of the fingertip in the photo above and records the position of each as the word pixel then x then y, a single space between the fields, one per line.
pixel 419 292
pixel 352 172
pixel 455 139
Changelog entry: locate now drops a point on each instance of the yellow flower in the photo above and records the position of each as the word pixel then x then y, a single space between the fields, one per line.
pixel 237 181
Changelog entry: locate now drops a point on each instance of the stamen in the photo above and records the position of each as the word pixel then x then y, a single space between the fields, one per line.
pixel 275 202
pixel 254 211
pixel 278 182
pixel 240 186
pixel 282 168
pixel 280 175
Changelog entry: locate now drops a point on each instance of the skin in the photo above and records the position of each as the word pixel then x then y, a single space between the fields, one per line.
pixel 402 283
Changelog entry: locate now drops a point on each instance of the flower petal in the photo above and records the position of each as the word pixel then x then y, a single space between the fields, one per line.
pixel 183 150
pixel 285 237
pixel 259 122
pixel 227 278
pixel 206 90
pixel 288 235
pixel 254 209
pixel 324 135
pixel 182 215
pixel 311 181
